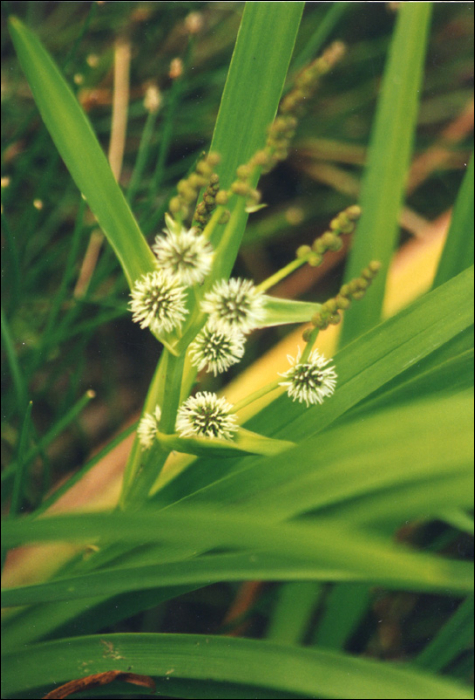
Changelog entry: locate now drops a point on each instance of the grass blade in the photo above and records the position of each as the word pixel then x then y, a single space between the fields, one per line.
pixel 450 640
pixel 390 152
pixel 261 58
pixel 458 253
pixel 78 146
pixel 222 659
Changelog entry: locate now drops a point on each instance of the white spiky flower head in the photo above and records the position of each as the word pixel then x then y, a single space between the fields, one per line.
pixel 158 302
pixel 216 349
pixel 310 381
pixel 206 415
pixel 187 255
pixel 147 428
pixel 234 304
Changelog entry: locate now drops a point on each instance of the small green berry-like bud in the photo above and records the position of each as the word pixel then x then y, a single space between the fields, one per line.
pixel 367 274
pixel 319 246
pixel 316 320
pixel 328 239
pixel 335 319
pixel 354 212
pixel 314 260
pixel 204 168
pixel 303 251
pixel 342 302
pixel 358 294
pixel 260 158
pixel 331 305
pixel 335 223
pixel 363 284
pixel 244 172
pixel 337 244
pixel 222 197
pixel 241 188
pixel 189 195
pixel 175 205
pixel 375 266
pixel 306 335
pixel 255 196
pixel 194 181
pixel 213 158
pixel 345 291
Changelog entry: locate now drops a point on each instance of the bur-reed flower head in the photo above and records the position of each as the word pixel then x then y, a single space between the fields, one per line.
pixel 234 304
pixel 206 415
pixel 147 428
pixel 185 254
pixel 216 349
pixel 158 302
pixel 310 381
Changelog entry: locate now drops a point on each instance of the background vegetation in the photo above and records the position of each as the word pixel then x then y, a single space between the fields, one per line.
pixel 341 568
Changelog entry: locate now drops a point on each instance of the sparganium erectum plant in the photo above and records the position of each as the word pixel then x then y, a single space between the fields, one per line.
pixel 287 434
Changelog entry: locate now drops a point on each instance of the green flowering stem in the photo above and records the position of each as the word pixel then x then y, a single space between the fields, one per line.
pixel 169 400
pixel 281 274
pixel 282 311
pixel 141 470
pixel 250 398
pixel 227 250
pixel 312 337
pixel 213 222
pixel 150 465
pixel 245 442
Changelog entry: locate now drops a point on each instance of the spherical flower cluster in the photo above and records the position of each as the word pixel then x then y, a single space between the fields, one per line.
pixel 158 302
pixel 186 255
pixel 234 304
pixel 216 349
pixel 309 381
pixel 147 428
pixel 206 415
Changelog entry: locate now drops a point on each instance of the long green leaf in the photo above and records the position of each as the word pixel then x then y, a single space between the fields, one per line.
pixel 248 106
pixel 78 146
pixel 390 151
pixel 312 673
pixel 343 467
pixel 322 549
pixel 458 251
pixel 451 639
pixel 343 609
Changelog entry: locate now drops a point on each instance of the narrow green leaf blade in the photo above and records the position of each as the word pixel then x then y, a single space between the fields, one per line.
pixel 458 253
pixel 313 673
pixel 78 146
pixel 451 639
pixel 389 155
pixel 248 106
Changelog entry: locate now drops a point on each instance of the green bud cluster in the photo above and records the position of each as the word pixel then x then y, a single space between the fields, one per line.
pixel 307 81
pixel 329 314
pixel 189 187
pixel 282 130
pixel 205 208
pixel 344 223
